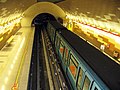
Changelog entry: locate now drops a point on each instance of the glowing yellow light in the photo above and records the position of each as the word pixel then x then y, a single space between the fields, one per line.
pixel 107 26
pixel 3 87
pixel 10 39
pixel 1 39
pixel 6 80
pixel 9 22
pixel 14 61
pixel 11 66
pixel 9 72
pixel 117 40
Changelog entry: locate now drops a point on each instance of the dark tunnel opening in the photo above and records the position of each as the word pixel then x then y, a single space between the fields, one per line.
pixel 42 19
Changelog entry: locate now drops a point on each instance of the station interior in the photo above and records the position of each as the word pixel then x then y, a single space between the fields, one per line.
pixel 95 21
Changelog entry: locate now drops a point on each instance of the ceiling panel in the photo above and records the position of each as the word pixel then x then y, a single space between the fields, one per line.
pixel 98 9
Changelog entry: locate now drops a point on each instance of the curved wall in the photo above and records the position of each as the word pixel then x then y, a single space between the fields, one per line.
pixel 41 7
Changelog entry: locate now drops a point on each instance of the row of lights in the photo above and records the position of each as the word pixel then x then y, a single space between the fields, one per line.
pixel 7 24
pixel 97 27
pixel 104 25
pixel 15 60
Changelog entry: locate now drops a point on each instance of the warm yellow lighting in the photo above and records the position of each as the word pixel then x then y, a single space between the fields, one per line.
pixel 14 61
pixel 9 72
pixel 1 39
pixel 6 80
pixel 3 87
pixel 10 39
pixel 108 29
pixel 19 49
pixel 105 25
pixel 117 39
pixel 11 66
pixel 94 31
pixel 9 22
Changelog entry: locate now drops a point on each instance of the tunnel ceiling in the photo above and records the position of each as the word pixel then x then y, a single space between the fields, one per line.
pixel 8 7
pixel 98 9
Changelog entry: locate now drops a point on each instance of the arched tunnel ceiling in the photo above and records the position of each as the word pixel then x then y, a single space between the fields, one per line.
pixel 98 9
pixel 8 7
pixel 38 8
